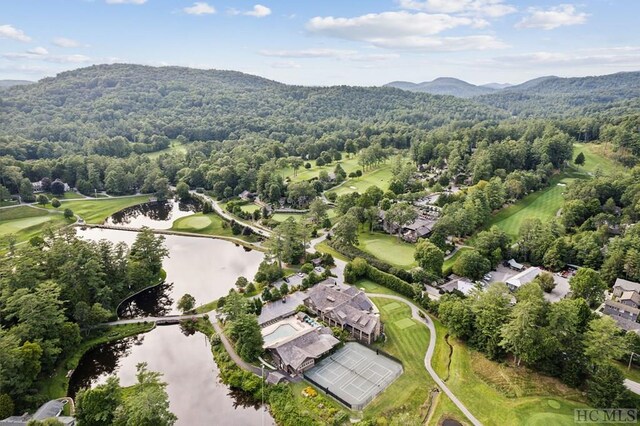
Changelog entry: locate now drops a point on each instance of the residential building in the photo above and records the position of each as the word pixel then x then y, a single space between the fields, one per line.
pixel 523 278
pixel 48 410
pixel 346 307
pixel 300 353
pixel 618 309
pixel 621 286
pixel 419 228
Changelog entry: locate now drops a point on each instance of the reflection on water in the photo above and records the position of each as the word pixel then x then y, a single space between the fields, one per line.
pixel 156 215
pixel 203 267
pixel 153 302
pixel 195 394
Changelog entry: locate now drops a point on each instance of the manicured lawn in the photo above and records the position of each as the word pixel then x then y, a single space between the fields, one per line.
pixel 207 224
pixel 250 208
pixel 498 394
pixel 175 147
pixel 409 344
pixel 281 217
pixel 595 158
pixel 543 205
pixel 380 177
pixel 26 222
pixel 66 196
pixel 389 248
pixel 97 210
pixel 372 287
pixel 323 247
pixel 449 262
pixel 348 164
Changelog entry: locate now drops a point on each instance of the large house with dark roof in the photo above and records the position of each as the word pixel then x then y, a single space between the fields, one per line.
pixel 624 307
pixel 299 353
pixel 345 306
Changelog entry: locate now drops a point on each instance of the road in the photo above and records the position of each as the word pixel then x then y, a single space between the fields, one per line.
pixel 632 386
pixel 429 355
pixel 255 228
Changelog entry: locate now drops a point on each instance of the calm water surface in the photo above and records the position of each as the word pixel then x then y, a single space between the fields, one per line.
pixel 195 394
pixel 203 267
pixel 156 215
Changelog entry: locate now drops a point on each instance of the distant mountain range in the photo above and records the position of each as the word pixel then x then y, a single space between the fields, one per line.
pixel 10 83
pixel 444 86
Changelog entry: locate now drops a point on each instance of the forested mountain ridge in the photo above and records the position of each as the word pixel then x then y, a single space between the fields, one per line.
pixel 4 84
pixel 561 97
pixel 444 86
pixel 134 101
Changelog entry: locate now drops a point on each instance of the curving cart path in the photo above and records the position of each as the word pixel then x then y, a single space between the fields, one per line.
pixel 429 355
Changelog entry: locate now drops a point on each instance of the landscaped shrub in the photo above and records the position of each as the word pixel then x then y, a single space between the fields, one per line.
pixel 359 268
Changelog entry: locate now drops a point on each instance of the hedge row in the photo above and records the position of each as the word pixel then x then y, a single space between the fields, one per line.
pixel 359 268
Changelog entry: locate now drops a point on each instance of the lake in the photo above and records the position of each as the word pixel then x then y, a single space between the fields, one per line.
pixel 195 394
pixel 155 215
pixel 206 268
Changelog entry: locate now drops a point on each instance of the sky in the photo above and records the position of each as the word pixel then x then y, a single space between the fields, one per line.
pixel 326 42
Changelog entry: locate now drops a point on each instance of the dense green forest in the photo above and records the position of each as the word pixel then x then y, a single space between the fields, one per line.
pixel 138 102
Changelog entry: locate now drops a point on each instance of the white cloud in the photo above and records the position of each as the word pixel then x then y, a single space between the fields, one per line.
pixel 286 65
pixel 40 51
pixel 126 1
pixel 404 30
pixel 308 53
pixel 623 56
pixel 557 16
pixel 313 53
pixel 259 11
pixel 489 8
pixel 199 8
pixel 385 25
pixel 67 42
pixel 9 31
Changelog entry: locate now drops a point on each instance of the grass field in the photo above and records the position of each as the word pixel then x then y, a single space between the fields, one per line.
pixel 449 262
pixel 380 177
pixel 389 248
pixel 26 222
pixel 409 344
pixel 69 195
pixel 348 164
pixel 543 205
pixel 498 394
pixel 207 224
pixel 407 339
pixel 595 158
pixel 175 146
pixel 97 210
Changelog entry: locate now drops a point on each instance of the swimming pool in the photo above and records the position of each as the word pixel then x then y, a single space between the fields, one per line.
pixel 284 330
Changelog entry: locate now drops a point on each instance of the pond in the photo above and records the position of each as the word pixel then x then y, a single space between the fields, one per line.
pixel 206 268
pixel 155 215
pixel 195 394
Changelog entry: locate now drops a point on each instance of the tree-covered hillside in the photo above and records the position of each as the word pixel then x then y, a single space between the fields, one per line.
pixel 136 101
pixel 563 97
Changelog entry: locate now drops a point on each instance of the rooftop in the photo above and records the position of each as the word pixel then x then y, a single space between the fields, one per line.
pixel 627 285
pixel 312 344
pixel 524 277
pixel 278 309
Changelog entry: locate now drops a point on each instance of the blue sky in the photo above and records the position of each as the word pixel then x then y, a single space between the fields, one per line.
pixel 325 42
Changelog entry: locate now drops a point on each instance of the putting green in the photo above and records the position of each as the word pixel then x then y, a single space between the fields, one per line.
pixel 195 222
pixel 554 404
pixel 404 323
pixel 391 306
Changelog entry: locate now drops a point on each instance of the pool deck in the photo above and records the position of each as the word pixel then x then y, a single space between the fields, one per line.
pixel 289 328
